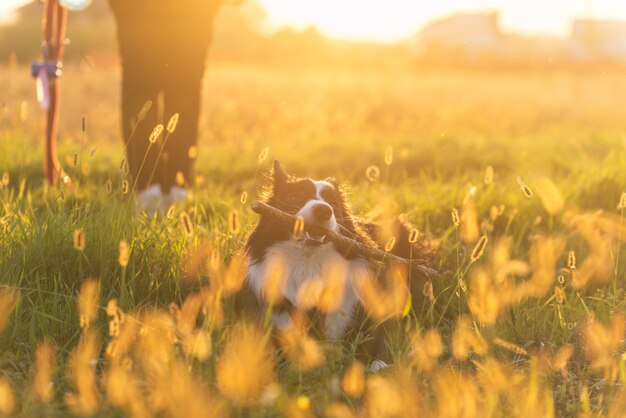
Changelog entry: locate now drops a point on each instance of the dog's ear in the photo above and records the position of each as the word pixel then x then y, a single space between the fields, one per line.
pixel 279 175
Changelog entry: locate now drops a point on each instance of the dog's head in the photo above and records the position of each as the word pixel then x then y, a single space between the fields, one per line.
pixel 319 203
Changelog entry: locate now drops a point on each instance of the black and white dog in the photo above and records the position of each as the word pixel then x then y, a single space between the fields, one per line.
pixel 308 257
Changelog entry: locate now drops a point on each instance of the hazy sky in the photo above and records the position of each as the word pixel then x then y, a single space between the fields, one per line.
pixel 395 19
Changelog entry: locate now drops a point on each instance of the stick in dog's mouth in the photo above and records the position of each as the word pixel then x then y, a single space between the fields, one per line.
pixel 341 242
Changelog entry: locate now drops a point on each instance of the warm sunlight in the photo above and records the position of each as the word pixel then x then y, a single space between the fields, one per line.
pixel 313 208
pixel 396 19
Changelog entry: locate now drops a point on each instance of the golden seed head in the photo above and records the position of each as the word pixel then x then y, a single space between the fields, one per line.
pixel 144 110
pixel 372 173
pixel 559 295
pixel 7 398
pixel 413 235
pixel 42 389
pixel 301 349
pixel 303 402
pixel 171 212
pixel 180 178
pixel 198 344
pixel 125 186
pixel 111 308
pixel 510 346
pixel 479 248
pixel 156 133
pixel 428 291
pixel 493 213
pixel 233 222
pixel 192 152
pixel 186 224
pixel 527 192
pixel 561 357
pixel 215 260
pixel 463 285
pixel 274 280
pixel 124 167
pixel 549 195
pixel 388 154
pixel 8 302
pixel 571 260
pixel 172 123
pixel 353 381
pixel 455 217
pixel 427 347
pixel 244 197
pixel 466 339
pixel 488 178
pixel 78 239
pixel 5 179
pixel 245 366
pixel 263 154
pixel 88 300
pixel 235 274
pixel 391 242
pixel 298 228
pixel 124 254
pixel 81 371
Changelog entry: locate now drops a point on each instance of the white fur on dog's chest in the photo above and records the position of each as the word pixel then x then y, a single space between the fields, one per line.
pixel 310 263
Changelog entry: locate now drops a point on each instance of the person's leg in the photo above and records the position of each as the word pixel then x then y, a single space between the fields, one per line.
pixel 141 81
pixel 182 96
pixel 192 22
pixel 141 155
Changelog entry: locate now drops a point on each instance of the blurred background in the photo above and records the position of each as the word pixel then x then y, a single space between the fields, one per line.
pixel 473 33
pixel 419 106
pixel 532 88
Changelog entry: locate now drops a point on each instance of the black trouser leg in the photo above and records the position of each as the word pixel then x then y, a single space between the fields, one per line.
pixel 184 99
pixel 137 133
pixel 163 46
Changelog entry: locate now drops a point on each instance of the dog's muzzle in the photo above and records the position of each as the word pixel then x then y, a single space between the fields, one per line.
pixel 311 240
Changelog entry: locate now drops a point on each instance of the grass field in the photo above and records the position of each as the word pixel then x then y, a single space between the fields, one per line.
pixel 533 326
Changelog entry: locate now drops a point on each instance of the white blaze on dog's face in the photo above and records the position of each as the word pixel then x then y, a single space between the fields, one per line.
pixel 318 211
pixel 319 203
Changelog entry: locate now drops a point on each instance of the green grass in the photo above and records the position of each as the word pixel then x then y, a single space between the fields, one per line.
pixel 444 129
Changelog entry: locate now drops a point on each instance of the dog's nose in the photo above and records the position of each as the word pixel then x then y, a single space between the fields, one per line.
pixel 322 212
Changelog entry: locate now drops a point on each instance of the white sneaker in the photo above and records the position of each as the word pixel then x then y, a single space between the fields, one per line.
pixel 150 199
pixel 176 195
pixel 377 365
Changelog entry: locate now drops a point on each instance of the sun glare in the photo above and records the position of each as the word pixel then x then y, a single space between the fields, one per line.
pixel 393 20
pixel 396 19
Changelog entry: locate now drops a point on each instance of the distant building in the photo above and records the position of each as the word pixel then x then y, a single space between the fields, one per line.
pixel 471 33
pixel 598 39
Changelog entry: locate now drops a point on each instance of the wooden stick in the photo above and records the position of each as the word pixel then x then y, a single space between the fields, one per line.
pixel 342 243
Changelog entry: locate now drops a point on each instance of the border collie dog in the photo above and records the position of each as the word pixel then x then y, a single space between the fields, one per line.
pixel 306 257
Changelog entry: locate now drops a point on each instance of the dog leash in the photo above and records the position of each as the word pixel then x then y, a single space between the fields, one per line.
pixel 46 73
